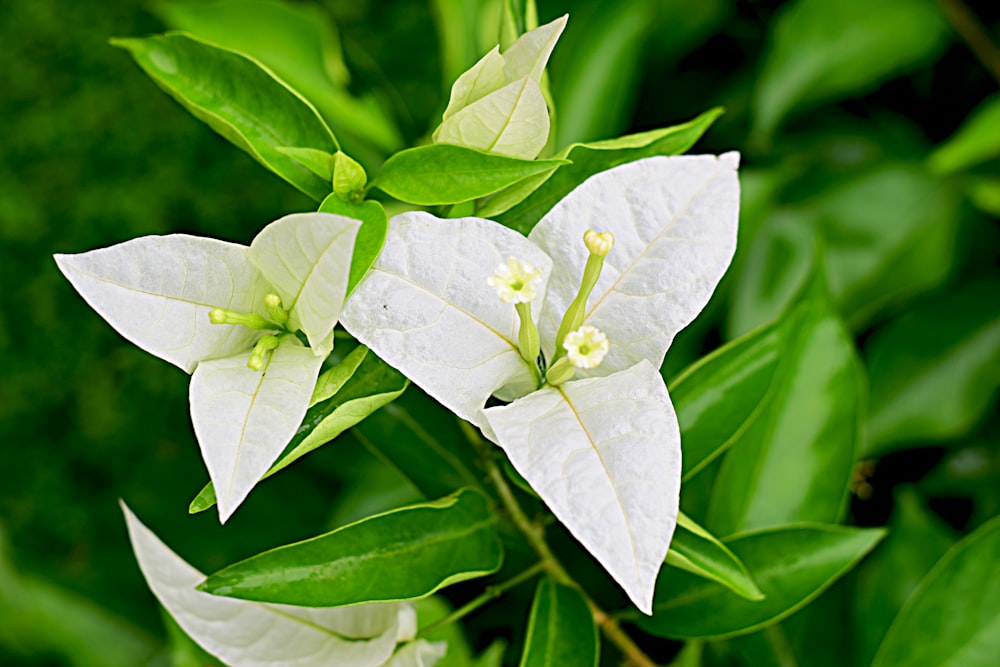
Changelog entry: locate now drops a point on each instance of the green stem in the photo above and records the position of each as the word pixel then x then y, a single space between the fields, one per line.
pixel 968 27
pixel 491 593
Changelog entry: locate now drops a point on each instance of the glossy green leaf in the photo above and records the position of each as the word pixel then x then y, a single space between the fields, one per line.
pixel 446 174
pixel 823 50
pixel 794 460
pixel 411 552
pixel 791 565
pixel 935 370
pixel 717 396
pixel 240 100
pixel 917 539
pixel 561 629
pixel 371 236
pixel 697 551
pixel 955 611
pixel 299 43
pixel 523 205
pixel 371 385
pixel 977 141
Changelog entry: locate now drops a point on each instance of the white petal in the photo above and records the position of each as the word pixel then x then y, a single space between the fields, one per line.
pixel 427 310
pixel 307 259
pixel 477 82
pixel 156 291
pixel 420 653
pixel 674 221
pixel 604 454
pixel 244 418
pixel 530 53
pixel 512 121
pixel 250 634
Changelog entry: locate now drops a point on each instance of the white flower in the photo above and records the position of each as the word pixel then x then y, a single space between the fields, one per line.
pixel 515 281
pixel 602 451
pixel 586 347
pixel 165 293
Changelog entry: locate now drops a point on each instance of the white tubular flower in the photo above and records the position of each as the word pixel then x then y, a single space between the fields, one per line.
pixel 586 347
pixel 516 281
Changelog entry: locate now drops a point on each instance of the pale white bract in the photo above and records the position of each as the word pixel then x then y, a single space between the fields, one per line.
pixel 251 634
pixel 604 453
pixel 157 291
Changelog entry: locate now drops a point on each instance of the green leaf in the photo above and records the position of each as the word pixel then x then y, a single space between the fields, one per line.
pixel 184 652
pixel 697 551
pixel 791 565
pixel 492 656
pixel 371 236
pixel 317 161
pixel 523 205
pixel 349 177
pixel 436 608
pixel 934 371
pixel 794 460
pixel 917 539
pixel 446 174
pixel 977 141
pixel 410 552
pixel 299 43
pixel 955 612
pixel 823 50
pixel 561 629
pixel 717 396
pixel 240 100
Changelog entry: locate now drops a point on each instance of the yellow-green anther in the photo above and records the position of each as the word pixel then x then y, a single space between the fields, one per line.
pixel 272 302
pixel 527 338
pixel 560 372
pixel 599 244
pixel 349 177
pixel 261 351
pixel 250 320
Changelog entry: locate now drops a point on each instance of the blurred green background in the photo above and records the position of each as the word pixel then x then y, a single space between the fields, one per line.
pixel 869 129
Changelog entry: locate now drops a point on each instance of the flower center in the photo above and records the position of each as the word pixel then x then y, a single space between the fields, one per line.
pixel 263 348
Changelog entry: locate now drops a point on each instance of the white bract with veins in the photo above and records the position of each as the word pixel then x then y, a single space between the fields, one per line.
pixel 251 634
pixel 497 106
pixel 649 241
pixel 227 313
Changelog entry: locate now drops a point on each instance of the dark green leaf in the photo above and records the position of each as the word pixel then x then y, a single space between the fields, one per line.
pixel 791 565
pixel 719 394
pixel 400 555
pixel 824 50
pixel 446 174
pixel 955 612
pixel 935 370
pixel 238 99
pixel 697 551
pixel 561 629
pixel 794 460
pixel 371 236
pixel 523 205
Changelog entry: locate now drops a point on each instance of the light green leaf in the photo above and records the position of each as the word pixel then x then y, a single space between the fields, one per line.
pixel 791 565
pixel 317 161
pixel 492 656
pixel 720 394
pixel 255 635
pixel 306 257
pixel 433 545
pixel 960 600
pixel 528 56
pixel 457 29
pixel 524 204
pixel 794 460
pixel 674 221
pixel 561 629
pixel 828 50
pixel 349 178
pixel 985 194
pixel 934 371
pixel 512 121
pixel 977 141
pixel 331 381
pixel 446 174
pixel 612 476
pixel 370 238
pixel 240 100
pixel 479 81
pixel 142 288
pixel 696 550
pixel 419 653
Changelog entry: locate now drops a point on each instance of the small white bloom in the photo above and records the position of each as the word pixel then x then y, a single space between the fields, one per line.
pixel 516 281
pixel 586 346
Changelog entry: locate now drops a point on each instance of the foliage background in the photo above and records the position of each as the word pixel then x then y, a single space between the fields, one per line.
pixel 94 154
